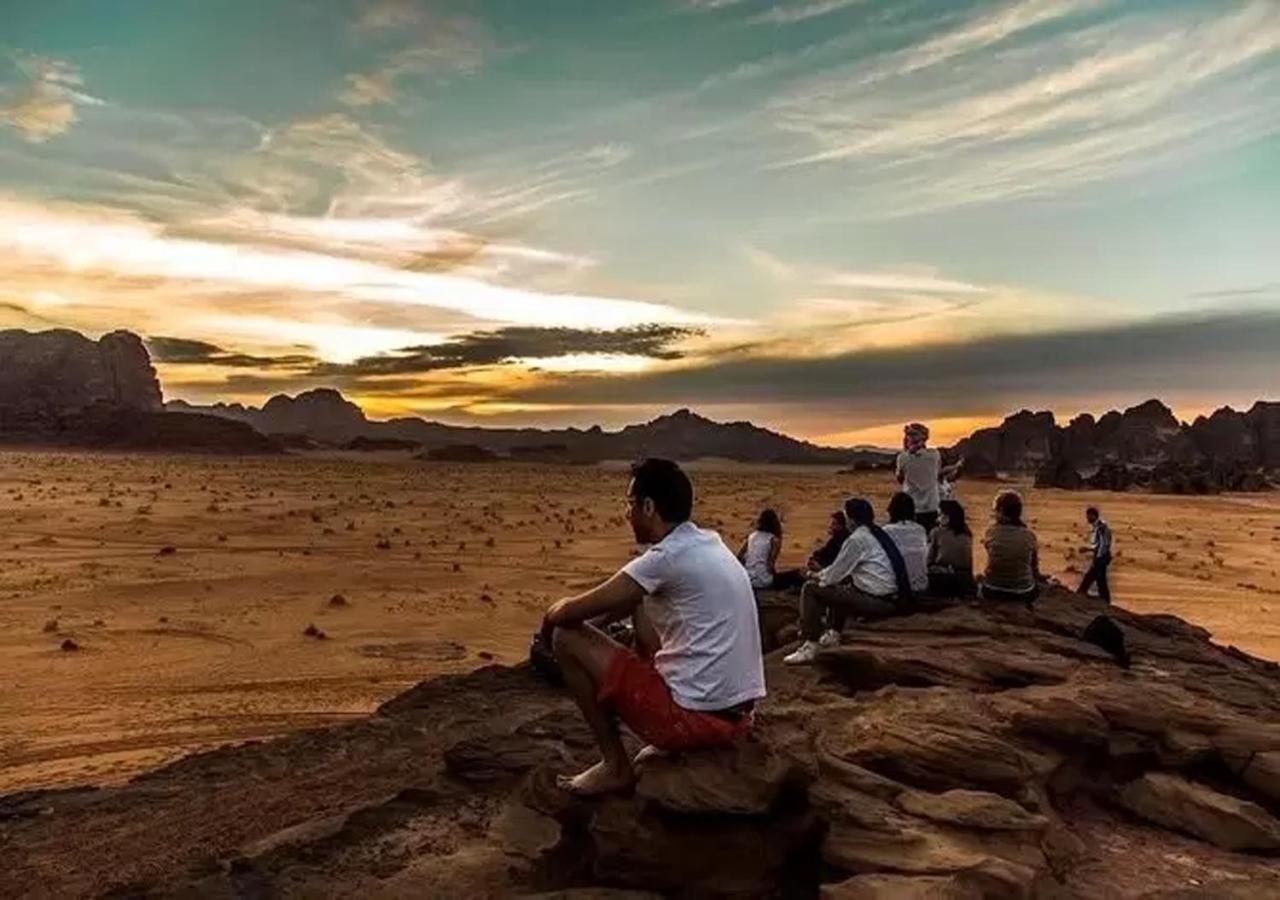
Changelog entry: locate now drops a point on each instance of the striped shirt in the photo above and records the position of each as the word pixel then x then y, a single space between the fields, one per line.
pixel 1100 541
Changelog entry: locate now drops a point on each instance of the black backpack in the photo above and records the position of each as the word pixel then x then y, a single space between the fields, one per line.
pixel 1105 633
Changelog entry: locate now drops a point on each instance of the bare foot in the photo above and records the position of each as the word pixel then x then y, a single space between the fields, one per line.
pixel 648 752
pixel 599 779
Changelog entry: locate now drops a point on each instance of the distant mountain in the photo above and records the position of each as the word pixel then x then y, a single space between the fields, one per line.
pixel 326 415
pixel 1224 450
pixel 47 377
pixel 59 387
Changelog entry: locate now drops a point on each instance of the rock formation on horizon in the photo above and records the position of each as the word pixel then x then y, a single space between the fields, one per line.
pixel 1144 445
pixel 983 751
pixel 47 377
pixel 59 387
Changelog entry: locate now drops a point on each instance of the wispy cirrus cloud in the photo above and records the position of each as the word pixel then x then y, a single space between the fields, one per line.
pixel 423 41
pixel 802 11
pixel 1068 108
pixel 41 102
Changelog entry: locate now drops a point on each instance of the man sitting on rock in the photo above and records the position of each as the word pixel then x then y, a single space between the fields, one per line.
pixel 698 671
pixel 868 578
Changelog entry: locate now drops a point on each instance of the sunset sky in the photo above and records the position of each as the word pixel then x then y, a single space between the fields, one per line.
pixel 827 216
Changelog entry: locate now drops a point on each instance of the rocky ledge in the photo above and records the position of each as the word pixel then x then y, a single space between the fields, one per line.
pixel 968 752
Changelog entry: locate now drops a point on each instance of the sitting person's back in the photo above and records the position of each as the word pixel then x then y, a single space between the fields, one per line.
pixel 950 554
pixel 910 538
pixel 1013 568
pixel 700 602
pixel 757 554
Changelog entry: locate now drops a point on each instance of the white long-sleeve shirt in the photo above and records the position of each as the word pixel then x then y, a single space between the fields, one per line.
pixel 913 544
pixel 863 559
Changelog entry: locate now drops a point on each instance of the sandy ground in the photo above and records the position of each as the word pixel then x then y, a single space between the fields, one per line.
pixel 441 568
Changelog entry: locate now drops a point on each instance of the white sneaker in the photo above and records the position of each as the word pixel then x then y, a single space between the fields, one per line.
pixel 830 638
pixel 805 654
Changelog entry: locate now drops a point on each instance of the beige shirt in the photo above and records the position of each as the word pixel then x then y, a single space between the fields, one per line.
pixel 950 550
pixel 1012 557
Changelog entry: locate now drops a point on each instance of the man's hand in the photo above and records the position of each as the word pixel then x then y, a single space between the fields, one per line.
pixel 614 599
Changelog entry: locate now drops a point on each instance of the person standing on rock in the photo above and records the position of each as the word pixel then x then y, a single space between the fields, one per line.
pixel 698 670
pixel 918 469
pixel 1100 548
pixel 868 578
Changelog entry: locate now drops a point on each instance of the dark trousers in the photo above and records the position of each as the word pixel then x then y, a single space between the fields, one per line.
pixel 787 579
pixel 1097 574
pixel 835 604
pixel 927 520
pixel 951 583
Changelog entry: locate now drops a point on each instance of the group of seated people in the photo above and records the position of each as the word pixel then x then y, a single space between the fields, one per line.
pixel 880 571
pixel 695 672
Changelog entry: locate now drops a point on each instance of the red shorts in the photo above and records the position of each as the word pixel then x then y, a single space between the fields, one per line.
pixel 634 688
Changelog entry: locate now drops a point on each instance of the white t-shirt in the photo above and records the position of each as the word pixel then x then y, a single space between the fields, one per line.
pixel 756 559
pixel 862 558
pixel 701 603
pixel 913 544
pixel 920 477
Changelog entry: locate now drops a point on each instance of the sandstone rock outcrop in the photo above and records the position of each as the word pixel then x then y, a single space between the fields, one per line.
pixel 1144 446
pixel 979 751
pixel 59 387
pixel 47 377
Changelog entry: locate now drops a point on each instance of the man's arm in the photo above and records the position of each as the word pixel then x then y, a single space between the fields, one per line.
pixel 615 599
pixel 845 562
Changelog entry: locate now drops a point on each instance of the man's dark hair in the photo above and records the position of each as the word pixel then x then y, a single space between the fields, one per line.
pixel 859 512
pixel 663 482
pixel 1009 505
pixel 901 507
pixel 1092 512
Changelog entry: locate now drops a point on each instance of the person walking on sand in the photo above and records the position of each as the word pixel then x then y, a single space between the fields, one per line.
pixel 1013 555
pixel 759 555
pixel 698 671
pixel 918 469
pixel 868 578
pixel 1100 548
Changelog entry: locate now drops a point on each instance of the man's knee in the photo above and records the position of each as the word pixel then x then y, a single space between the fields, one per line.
pixel 566 642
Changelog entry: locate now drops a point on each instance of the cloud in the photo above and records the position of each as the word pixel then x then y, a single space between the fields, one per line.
pixel 1209 353
pixel 104 260
pixel 387 15
pixel 791 13
pixel 427 40
pixel 978 34
pixel 368 90
pixel 510 345
pixel 183 351
pixel 1063 108
pixel 1248 292
pixel 42 105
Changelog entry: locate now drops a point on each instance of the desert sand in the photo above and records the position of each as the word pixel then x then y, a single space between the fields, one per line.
pixel 188 583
